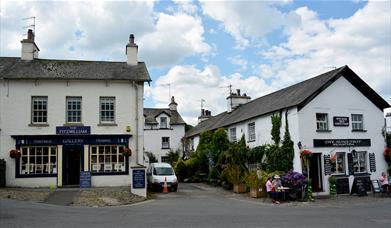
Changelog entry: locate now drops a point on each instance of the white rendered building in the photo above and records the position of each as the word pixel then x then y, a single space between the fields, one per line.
pixel 67 117
pixel 335 115
pixel 163 131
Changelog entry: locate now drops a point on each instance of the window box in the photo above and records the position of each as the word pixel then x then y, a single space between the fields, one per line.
pixel 359 130
pixel 38 125
pixel 325 131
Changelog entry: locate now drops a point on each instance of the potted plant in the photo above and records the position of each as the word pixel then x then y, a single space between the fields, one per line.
pixel 236 176
pixel 332 185
pixel 254 183
pixel 126 151
pixel 15 153
pixel 295 181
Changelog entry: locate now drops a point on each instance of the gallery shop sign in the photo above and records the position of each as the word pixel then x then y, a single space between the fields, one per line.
pixel 71 140
pixel 73 130
pixel 341 142
pixel 341 121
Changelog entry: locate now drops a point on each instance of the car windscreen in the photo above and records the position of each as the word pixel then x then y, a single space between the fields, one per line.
pixel 163 171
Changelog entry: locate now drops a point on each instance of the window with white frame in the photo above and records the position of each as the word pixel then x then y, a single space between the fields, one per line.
pixel 165 142
pixel 39 110
pixel 107 159
pixel 107 109
pixel 232 134
pixel 357 122
pixel 163 122
pixel 73 113
pixel 38 160
pixel 322 122
pixel 251 131
pixel 337 163
pixel 360 162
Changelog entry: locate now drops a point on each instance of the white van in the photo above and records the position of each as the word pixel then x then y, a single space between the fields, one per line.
pixel 158 173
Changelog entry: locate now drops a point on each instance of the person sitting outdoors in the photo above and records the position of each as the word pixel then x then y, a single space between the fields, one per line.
pixel 271 191
pixel 277 185
pixel 384 182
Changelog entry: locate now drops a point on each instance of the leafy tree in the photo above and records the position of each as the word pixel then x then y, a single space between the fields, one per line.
pixel 276 125
pixel 287 148
pixel 151 157
pixel 172 156
pixel 188 127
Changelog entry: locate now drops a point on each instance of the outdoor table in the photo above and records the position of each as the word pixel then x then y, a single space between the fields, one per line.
pixel 285 191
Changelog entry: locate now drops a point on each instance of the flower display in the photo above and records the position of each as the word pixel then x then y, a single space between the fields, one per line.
pixel 333 157
pixel 294 180
pixel 305 154
pixel 15 153
pixel 126 151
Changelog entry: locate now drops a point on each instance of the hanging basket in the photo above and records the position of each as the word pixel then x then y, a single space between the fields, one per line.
pixel 126 151
pixel 15 153
pixel 305 154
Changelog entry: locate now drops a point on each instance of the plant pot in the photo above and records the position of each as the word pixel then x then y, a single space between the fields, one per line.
pixel 239 188
pixel 254 192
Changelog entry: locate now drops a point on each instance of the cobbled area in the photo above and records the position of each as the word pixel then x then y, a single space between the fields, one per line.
pixel 94 197
pixel 102 197
pixel 25 194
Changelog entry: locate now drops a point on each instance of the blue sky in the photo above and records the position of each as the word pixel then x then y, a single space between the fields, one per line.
pixel 200 47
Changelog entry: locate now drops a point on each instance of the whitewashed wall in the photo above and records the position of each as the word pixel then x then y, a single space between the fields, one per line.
pixel 15 114
pixel 342 99
pixel 153 139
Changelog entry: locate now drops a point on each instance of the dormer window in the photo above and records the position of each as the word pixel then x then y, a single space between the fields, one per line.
pixel 163 122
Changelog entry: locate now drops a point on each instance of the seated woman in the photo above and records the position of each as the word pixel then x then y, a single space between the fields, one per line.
pixel 277 185
pixel 384 182
pixel 271 191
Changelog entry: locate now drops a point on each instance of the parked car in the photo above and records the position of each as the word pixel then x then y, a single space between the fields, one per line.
pixel 158 173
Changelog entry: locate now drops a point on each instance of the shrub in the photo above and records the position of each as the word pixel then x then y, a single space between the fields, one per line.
pixel 252 180
pixel 234 174
pixel 181 170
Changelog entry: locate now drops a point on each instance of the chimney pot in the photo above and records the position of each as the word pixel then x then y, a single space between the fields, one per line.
pixel 238 91
pixel 30 35
pixel 131 39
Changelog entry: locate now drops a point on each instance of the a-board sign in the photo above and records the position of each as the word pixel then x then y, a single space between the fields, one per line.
pixel 85 179
pixel 376 187
pixel 138 178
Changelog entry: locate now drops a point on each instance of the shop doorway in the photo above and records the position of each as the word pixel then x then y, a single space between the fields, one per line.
pixel 315 170
pixel 72 165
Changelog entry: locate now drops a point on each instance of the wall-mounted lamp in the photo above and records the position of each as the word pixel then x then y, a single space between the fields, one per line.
pixel 299 145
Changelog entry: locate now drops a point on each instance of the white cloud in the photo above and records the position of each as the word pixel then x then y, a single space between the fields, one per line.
pixel 175 37
pixel 186 6
pixel 362 41
pixel 246 22
pixel 239 61
pixel 162 38
pixel 189 85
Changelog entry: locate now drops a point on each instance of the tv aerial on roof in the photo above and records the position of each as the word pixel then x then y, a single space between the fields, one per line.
pixel 32 25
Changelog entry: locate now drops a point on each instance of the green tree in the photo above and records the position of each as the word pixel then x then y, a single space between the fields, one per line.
pixel 276 125
pixel 172 157
pixel 288 151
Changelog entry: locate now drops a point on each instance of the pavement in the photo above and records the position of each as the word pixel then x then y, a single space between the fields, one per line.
pixel 199 205
pixel 62 197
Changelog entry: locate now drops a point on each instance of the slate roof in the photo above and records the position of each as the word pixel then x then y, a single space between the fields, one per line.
pixel 17 69
pixel 150 115
pixel 296 95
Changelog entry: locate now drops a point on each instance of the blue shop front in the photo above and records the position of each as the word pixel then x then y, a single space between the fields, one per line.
pixel 72 151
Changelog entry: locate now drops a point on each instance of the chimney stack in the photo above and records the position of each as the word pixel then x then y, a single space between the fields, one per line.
pixel 131 51
pixel 29 47
pixel 173 105
pixel 205 114
pixel 235 100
